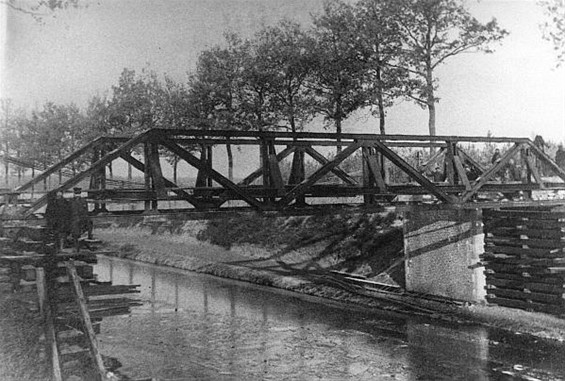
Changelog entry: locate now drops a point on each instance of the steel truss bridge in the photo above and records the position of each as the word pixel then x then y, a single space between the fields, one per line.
pixel 267 187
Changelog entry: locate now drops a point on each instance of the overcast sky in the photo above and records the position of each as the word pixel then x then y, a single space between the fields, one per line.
pixel 514 92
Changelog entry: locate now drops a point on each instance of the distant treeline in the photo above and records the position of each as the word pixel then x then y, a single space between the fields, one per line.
pixel 367 55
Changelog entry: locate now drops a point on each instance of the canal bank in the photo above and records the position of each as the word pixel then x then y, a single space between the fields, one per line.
pixel 294 253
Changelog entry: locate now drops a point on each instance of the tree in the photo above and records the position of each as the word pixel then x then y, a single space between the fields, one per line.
pixel 379 43
pixel 554 26
pixel 285 51
pixel 339 80
pixel 432 32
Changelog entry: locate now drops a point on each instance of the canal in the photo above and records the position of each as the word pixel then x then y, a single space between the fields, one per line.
pixel 199 327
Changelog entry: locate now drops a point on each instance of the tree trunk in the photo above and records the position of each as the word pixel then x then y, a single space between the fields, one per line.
pixel 338 118
pixel 381 107
pixel 430 100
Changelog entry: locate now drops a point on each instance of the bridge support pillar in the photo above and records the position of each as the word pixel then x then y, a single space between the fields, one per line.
pixel 441 249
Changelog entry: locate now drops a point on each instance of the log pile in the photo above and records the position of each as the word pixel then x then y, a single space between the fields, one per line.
pixel 525 258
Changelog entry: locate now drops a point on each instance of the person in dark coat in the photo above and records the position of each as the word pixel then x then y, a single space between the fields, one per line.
pixel 57 216
pixel 80 222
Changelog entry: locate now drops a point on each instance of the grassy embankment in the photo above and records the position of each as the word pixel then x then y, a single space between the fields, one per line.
pixel 290 252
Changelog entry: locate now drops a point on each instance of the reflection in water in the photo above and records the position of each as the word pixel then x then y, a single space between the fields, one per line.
pixel 203 327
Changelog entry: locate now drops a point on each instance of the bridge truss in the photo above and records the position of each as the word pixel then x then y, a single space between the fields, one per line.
pixel 282 180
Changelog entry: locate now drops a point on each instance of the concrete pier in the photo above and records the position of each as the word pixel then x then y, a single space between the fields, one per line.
pixel 441 247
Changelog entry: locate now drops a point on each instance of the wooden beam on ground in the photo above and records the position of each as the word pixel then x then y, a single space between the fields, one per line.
pixel 303 187
pixel 54 168
pixel 322 160
pixel 478 183
pixel 50 334
pixel 86 322
pixel 410 171
pixel 258 172
pixel 216 176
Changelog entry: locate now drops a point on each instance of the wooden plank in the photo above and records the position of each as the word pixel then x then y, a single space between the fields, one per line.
pixel 546 278
pixel 543 253
pixel 514 303
pixel 412 173
pixel 522 295
pixel 335 170
pixel 48 319
pixel 87 323
pixel 523 284
pixel 303 187
pixel 333 136
pixel 531 214
pixel 216 176
pixel 530 242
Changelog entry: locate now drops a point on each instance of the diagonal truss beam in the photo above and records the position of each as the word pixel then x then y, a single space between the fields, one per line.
pixel 410 171
pixel 547 160
pixel 109 157
pixel 336 170
pixel 303 187
pixel 258 172
pixel 54 168
pixel 216 176
pixel 141 167
pixel 489 174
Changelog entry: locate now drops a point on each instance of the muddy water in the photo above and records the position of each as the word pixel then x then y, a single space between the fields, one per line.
pixel 198 327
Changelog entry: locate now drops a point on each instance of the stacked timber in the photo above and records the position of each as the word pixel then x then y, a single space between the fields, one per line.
pixel 525 258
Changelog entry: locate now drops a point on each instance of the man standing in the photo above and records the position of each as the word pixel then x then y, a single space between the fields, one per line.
pixel 57 216
pixel 79 217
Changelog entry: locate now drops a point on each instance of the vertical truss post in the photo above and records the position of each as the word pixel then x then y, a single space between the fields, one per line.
pixel 449 163
pixel 297 173
pixel 209 158
pixel 274 169
pixel 200 176
pixel 372 172
pixel 102 179
pixel 147 176
pixel 266 171
pixel 156 173
pixel 368 179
